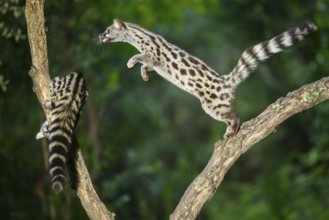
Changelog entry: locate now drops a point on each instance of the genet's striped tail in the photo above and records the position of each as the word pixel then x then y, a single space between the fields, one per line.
pixel 252 56
pixel 60 140
pixel 69 94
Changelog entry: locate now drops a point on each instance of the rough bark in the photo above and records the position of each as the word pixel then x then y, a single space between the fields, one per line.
pixel 34 14
pixel 228 151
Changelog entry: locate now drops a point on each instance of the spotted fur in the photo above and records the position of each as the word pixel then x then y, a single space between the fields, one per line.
pixel 191 74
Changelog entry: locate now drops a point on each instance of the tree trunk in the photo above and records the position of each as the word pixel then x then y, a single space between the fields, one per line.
pixel 41 80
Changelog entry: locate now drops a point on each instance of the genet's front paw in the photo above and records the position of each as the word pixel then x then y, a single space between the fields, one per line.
pixel 144 72
pixel 44 131
pixel 145 77
pixel 131 62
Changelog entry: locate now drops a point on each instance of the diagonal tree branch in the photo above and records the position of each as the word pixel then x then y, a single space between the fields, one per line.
pixel 228 151
pixel 39 73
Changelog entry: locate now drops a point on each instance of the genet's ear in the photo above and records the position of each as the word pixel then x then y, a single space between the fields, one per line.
pixel 119 25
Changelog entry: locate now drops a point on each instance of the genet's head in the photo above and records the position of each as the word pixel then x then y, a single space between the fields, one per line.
pixel 114 33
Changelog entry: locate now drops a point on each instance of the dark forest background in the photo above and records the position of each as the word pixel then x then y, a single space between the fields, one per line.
pixel 145 142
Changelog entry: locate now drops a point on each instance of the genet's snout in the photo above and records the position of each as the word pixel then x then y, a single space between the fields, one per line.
pixel 102 37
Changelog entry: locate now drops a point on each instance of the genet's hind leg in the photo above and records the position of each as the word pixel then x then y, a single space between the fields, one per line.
pixel 232 121
pixel 223 112
pixel 144 69
pixel 145 60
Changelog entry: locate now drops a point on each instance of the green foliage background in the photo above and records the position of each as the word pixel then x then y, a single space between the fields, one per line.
pixel 145 142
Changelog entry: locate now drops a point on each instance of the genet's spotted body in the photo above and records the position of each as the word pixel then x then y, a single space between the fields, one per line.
pixel 191 74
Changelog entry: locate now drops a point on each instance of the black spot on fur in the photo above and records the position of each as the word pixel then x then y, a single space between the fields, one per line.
pixel 200 72
pixel 174 55
pixel 183 72
pixel 182 54
pixel 223 106
pixel 194 61
pixel 213 96
pixel 213 73
pixel 209 77
pixel 201 94
pixel 204 67
pixel 166 57
pixel 185 62
pixel 192 72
